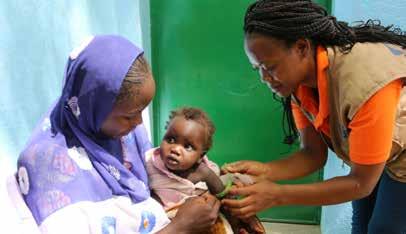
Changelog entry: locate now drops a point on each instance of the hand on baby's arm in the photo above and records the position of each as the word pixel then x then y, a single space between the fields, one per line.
pixel 248 225
pixel 220 186
pixel 256 170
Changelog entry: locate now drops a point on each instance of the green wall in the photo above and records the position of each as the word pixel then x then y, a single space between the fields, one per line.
pixel 198 60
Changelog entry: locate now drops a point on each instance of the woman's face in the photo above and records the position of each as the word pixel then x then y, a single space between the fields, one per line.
pixel 182 146
pixel 281 68
pixel 126 115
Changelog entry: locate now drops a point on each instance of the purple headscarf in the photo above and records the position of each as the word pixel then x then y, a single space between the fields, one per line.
pixel 68 159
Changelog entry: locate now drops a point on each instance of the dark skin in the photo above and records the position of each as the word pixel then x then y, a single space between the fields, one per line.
pixel 292 66
pixel 124 117
pixel 196 215
pixel 205 174
pixel 182 150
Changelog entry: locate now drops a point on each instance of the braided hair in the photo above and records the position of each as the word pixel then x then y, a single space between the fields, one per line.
pixel 290 20
pixel 138 73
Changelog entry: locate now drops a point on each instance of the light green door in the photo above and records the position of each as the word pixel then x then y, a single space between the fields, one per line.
pixel 198 60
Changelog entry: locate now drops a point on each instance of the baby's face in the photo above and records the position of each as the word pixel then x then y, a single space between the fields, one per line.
pixel 182 146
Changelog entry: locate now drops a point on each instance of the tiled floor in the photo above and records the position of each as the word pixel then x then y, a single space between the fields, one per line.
pixel 283 228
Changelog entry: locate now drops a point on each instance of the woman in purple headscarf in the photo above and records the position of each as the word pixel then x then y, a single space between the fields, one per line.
pixel 83 169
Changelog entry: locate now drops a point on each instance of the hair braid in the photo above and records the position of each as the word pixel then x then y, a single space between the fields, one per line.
pixel 290 20
pixel 137 74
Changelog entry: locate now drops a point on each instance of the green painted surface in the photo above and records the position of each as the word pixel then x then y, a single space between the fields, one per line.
pixel 198 60
pixel 326 3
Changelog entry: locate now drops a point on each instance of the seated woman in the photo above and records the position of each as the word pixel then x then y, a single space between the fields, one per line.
pixel 83 169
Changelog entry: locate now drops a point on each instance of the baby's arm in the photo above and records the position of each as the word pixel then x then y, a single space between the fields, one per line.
pixel 205 174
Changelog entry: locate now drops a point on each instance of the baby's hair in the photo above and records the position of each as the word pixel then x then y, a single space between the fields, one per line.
pixel 199 116
pixel 138 73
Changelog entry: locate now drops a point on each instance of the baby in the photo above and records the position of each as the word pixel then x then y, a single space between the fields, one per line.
pixel 180 169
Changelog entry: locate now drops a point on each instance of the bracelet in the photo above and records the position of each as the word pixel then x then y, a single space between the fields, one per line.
pixel 226 189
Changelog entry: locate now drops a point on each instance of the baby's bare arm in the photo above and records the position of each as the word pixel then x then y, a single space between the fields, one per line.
pixel 205 174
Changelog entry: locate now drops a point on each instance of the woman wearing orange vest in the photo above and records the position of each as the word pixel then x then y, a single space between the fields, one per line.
pixel 343 87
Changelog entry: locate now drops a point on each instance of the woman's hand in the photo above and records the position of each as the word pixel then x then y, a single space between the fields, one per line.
pixel 253 168
pixel 197 214
pixel 257 197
